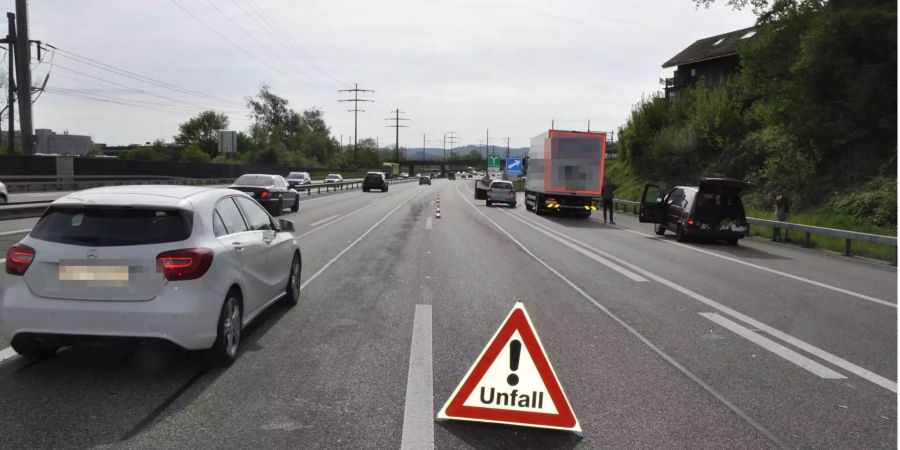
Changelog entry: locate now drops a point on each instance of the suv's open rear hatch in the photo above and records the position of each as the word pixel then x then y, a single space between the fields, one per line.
pixel 723 185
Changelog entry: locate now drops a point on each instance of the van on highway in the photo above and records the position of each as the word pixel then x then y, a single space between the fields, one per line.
pixel 712 210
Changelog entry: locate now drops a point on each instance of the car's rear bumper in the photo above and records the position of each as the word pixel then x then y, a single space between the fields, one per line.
pixel 185 314
pixel 713 234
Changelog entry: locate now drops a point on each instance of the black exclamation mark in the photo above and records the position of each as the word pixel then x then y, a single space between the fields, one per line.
pixel 515 348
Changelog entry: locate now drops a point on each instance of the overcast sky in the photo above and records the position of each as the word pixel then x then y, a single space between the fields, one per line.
pixel 464 66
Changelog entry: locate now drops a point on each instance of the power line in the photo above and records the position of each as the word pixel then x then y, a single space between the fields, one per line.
pixel 54 91
pixel 134 89
pixel 260 43
pixel 292 45
pixel 224 37
pixel 129 74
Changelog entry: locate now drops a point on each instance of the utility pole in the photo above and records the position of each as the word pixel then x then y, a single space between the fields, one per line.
pixel 23 74
pixel 11 84
pixel 356 90
pixel 507 148
pixel 445 146
pixel 423 147
pixel 397 128
pixel 589 125
pixel 453 138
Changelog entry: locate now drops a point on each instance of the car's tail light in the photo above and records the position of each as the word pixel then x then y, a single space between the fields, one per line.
pixel 264 194
pixel 690 222
pixel 490 190
pixel 18 259
pixel 184 264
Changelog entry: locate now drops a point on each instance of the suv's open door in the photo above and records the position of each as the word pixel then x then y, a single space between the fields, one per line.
pixel 653 210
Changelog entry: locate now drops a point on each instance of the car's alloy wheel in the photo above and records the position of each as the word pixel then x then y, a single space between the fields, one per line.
pixel 293 287
pixel 296 206
pixel 228 339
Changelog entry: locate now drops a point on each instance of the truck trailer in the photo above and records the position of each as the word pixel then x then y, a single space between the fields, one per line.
pixel 565 172
pixel 391 170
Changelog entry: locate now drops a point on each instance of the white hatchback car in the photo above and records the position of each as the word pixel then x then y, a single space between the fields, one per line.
pixel 187 265
pixel 500 191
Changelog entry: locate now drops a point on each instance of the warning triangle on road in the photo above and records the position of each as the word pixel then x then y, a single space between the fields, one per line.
pixel 512 382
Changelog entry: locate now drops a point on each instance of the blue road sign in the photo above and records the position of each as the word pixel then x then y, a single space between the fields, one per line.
pixel 514 166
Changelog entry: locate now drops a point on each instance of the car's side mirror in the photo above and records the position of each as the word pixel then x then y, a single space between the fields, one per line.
pixel 286 225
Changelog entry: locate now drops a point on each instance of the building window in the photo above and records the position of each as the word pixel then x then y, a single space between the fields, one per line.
pixel 718 42
pixel 693 72
pixel 749 34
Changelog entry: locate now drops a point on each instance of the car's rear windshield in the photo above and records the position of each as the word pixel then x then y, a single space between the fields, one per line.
pixel 729 204
pixel 294 175
pixel 502 186
pixel 373 175
pixel 333 176
pixel 254 180
pixel 112 226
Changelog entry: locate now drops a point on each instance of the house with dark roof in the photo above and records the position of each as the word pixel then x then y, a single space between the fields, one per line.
pixel 714 59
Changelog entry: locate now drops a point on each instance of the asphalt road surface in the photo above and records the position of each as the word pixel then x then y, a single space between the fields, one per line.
pixel 657 344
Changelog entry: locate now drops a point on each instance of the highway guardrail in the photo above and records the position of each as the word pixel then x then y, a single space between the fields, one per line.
pixel 808 230
pixel 18 184
pixel 23 210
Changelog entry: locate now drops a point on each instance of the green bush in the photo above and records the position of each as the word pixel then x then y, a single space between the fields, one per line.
pixel 874 204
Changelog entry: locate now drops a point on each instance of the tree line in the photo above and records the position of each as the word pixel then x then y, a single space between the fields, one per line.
pixel 277 135
pixel 813 111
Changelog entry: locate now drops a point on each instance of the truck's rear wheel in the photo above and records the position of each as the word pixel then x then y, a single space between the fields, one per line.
pixel 537 205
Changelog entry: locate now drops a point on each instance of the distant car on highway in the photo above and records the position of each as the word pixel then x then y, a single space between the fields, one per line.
pixel 418 175
pixel 424 180
pixel 4 193
pixel 451 175
pixel 271 191
pixel 334 178
pixel 501 192
pixel 404 175
pixel 187 265
pixel 375 180
pixel 713 209
pixel 295 179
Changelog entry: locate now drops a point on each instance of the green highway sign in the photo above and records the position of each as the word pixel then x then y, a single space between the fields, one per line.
pixel 494 162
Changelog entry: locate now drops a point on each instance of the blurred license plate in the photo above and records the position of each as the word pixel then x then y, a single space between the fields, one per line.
pixel 101 275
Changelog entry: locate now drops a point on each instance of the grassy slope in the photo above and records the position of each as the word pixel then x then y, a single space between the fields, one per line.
pixel 630 187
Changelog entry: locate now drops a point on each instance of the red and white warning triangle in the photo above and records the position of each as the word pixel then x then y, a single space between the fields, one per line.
pixel 512 382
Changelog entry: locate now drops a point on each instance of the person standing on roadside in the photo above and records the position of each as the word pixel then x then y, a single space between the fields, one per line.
pixel 782 214
pixel 609 193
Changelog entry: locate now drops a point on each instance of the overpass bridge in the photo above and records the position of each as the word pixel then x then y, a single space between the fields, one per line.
pixel 445 165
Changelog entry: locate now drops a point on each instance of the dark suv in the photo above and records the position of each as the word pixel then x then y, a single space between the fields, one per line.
pixel 713 209
pixel 374 180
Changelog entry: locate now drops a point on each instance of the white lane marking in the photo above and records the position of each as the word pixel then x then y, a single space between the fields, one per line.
pixel 429 223
pixel 327 219
pixel 802 345
pixel 348 247
pixel 633 276
pixel 7 353
pixel 7 233
pixel 766 269
pixel 668 358
pixel 2 260
pixel 774 347
pixel 337 220
pixel 418 420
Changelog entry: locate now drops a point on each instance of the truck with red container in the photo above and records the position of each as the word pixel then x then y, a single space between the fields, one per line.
pixel 565 172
